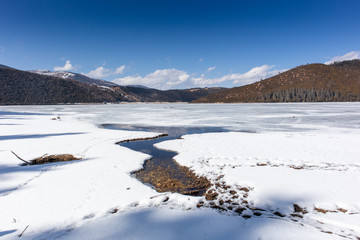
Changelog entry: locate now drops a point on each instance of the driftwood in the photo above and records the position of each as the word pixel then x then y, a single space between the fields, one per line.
pixel 21 158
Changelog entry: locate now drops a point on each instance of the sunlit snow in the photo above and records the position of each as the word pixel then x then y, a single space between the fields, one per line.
pixel 286 154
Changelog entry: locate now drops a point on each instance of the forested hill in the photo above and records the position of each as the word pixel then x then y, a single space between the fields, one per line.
pixel 21 87
pixel 308 83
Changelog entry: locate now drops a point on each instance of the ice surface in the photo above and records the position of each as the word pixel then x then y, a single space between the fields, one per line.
pixel 305 154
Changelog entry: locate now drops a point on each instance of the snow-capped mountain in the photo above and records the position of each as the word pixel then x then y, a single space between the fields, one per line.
pixel 56 74
pixel 76 77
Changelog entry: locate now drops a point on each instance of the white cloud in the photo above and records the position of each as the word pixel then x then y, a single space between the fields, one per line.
pixel 102 72
pixel 161 79
pixel 348 56
pixel 211 68
pixel 201 59
pixel 120 70
pixel 255 74
pixel 67 67
pixel 99 72
pixel 174 78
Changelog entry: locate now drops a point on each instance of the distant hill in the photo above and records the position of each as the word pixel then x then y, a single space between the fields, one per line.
pixel 308 83
pixel 4 66
pixel 21 87
pixel 177 95
pixel 45 87
pixel 137 86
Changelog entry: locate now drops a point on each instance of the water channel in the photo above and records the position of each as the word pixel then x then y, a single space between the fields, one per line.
pixel 161 171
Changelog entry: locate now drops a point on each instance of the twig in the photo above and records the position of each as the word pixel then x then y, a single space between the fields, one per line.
pixel 44 155
pixel 21 158
pixel 23 231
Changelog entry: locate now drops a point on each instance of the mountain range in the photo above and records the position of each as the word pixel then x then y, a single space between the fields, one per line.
pixel 46 87
pixel 339 81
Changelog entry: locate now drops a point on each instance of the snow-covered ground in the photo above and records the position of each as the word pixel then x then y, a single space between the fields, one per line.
pixel 283 154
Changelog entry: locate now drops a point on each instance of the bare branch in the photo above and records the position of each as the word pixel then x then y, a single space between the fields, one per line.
pixel 23 231
pixel 21 158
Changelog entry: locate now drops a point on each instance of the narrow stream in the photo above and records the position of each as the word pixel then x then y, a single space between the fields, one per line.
pixel 161 171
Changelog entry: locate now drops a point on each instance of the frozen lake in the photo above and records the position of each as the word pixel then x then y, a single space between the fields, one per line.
pixel 240 117
pixel 280 171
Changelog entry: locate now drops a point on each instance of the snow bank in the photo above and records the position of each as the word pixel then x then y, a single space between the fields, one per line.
pixel 61 195
pixel 314 169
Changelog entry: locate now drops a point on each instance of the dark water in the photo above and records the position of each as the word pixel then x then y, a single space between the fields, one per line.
pixel 162 160
pixel 147 146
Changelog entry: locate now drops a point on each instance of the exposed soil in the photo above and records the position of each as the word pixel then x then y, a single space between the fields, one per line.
pixel 299 209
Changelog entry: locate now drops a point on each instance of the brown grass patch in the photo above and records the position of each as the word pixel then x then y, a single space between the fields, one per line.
pixel 181 180
pixel 54 158
pixel 261 164
pixel 142 139
pixel 47 159
pixel 297 167
pixel 320 210
pixel 342 210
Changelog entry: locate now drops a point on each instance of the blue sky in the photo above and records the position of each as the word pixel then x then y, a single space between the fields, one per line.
pixel 177 44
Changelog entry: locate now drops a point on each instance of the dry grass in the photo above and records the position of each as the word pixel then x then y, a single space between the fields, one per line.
pixel 142 139
pixel 181 180
pixel 47 159
pixel 53 158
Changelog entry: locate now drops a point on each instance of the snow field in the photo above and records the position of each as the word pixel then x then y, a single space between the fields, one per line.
pixel 310 160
